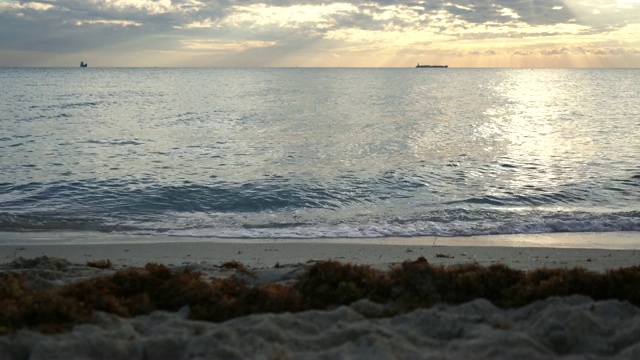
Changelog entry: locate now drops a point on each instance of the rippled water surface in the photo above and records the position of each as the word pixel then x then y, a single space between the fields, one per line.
pixel 319 152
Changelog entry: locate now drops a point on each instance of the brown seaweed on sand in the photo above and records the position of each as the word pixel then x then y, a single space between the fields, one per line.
pixel 323 285
pixel 100 264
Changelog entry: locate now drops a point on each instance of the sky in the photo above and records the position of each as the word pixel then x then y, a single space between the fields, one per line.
pixel 305 33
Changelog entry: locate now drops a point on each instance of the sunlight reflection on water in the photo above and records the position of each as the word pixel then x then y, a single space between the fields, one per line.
pixel 391 152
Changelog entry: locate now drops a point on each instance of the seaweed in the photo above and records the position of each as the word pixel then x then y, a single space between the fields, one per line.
pixel 330 283
pixel 323 285
pixel 233 265
pixel 100 264
pixel 45 311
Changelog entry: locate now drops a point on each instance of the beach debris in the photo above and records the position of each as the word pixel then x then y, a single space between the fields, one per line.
pixel 232 265
pixel 15 252
pixel 100 264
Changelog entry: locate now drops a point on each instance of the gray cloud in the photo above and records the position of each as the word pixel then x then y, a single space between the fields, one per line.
pixel 71 26
pixel 56 33
pixel 539 12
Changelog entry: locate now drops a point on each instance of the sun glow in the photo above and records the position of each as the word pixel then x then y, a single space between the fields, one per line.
pixel 285 16
pixel 583 33
pixel 226 46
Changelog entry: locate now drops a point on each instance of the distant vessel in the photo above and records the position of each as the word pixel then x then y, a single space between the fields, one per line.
pixel 431 66
pixel 83 64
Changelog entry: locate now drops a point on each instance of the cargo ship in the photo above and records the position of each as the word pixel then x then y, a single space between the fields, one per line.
pixel 432 66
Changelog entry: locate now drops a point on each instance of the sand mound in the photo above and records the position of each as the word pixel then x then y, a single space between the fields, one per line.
pixel 569 327
pixel 47 272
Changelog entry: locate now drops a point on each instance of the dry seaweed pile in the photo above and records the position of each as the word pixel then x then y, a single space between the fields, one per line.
pixel 324 285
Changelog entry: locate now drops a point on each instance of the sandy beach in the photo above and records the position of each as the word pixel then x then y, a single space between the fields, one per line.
pixel 575 327
pixel 594 251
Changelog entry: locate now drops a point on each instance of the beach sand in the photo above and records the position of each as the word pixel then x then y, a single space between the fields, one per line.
pixel 574 327
pixel 594 251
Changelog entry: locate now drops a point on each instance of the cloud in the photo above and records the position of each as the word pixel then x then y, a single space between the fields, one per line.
pixel 272 27
pixel 67 26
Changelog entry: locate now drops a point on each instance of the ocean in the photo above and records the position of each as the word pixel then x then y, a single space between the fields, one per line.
pixel 304 153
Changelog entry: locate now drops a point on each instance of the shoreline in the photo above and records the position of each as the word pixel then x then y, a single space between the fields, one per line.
pixel 621 240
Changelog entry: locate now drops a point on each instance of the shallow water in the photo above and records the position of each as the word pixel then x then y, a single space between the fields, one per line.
pixel 307 153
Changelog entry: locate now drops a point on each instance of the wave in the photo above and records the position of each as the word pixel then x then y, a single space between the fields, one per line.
pixel 146 196
pixel 115 142
pixel 390 204
pixel 455 222
pixel 277 194
pixel 68 105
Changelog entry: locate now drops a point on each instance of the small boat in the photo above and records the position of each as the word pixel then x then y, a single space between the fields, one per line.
pixel 83 64
pixel 432 66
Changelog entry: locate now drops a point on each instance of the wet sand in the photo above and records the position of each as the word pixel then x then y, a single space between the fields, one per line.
pixel 594 251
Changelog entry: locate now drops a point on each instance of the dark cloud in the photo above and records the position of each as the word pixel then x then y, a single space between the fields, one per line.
pixel 54 31
pixel 71 26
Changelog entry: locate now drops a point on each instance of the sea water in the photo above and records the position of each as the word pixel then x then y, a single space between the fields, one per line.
pixel 319 153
